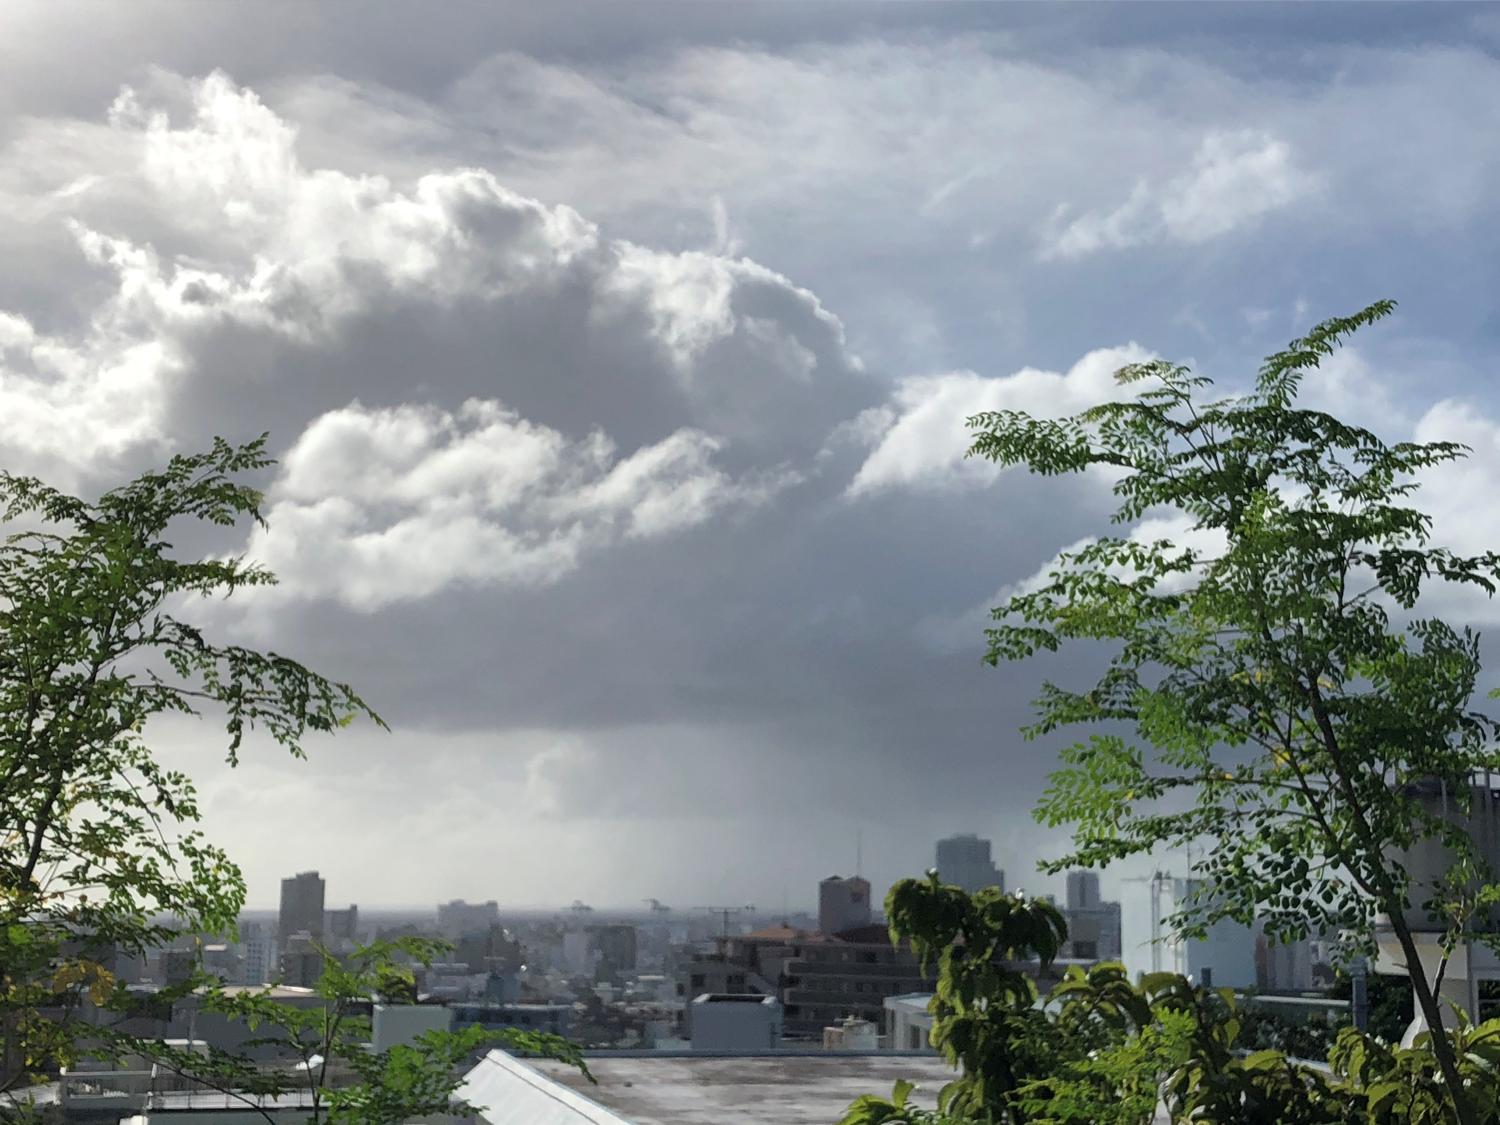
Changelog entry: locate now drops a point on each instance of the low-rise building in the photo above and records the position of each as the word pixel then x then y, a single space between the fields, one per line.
pixel 828 981
pixel 908 1022
pixel 555 1019
pixel 1093 932
pixel 852 1035
pixel 727 1022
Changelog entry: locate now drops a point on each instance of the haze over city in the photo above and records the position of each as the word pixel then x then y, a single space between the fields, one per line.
pixel 617 367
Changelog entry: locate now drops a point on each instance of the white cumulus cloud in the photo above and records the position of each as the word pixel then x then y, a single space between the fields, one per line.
pixel 1235 178
pixel 375 506
pixel 202 218
pixel 920 438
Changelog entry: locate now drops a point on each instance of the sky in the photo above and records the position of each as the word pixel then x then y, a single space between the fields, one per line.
pixel 616 360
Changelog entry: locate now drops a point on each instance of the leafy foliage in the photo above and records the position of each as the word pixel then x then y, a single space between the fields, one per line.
pixel 1100 1050
pixel 985 1019
pixel 1277 707
pixel 97 838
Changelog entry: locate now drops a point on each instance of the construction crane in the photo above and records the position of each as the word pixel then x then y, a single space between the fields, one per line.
pixel 657 906
pixel 581 907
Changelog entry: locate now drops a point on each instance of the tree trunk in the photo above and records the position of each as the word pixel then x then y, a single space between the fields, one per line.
pixel 1442 1046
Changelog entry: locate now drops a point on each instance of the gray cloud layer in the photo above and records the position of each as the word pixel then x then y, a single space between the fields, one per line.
pixel 619 391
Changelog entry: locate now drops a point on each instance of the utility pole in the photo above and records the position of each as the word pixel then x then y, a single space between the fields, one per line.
pixel 1359 993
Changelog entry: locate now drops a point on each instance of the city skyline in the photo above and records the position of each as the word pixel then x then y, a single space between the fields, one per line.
pixel 616 359
pixel 808 907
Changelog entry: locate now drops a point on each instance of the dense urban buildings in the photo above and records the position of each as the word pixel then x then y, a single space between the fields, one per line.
pixel 636 981
pixel 964 861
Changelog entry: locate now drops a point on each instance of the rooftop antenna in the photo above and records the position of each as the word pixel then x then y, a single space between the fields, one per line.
pixel 724 912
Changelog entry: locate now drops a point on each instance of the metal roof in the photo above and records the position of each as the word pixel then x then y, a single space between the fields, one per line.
pixel 505 1091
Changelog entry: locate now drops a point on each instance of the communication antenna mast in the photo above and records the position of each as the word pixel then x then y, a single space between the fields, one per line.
pixel 724 912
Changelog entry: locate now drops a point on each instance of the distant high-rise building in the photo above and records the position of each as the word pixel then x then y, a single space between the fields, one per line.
pixel 843 904
pixel 256 950
pixel 301 907
pixel 458 918
pixel 497 950
pixel 301 963
pixel 177 965
pixel 1227 950
pixel 964 861
pixel 616 946
pixel 577 953
pixel 341 927
pixel 222 960
pixel 1093 924
pixel 1083 890
pixel 1093 932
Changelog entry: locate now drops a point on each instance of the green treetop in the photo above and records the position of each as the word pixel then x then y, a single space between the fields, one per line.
pixel 1273 689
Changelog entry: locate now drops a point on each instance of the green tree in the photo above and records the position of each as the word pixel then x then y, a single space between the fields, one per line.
pixel 1097 1050
pixel 986 1020
pixel 323 1054
pixel 97 839
pixel 1270 687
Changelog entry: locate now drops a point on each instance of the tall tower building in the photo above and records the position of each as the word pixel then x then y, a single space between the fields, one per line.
pixel 964 861
pixel 843 904
pixel 1083 890
pixel 301 907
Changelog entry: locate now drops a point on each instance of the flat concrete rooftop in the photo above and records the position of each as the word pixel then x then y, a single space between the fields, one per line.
pixel 812 1089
